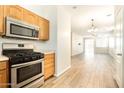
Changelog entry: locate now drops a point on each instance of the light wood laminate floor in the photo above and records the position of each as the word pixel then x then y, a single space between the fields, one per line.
pixel 86 72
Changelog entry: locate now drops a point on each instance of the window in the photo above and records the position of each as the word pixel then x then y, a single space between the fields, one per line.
pixel 102 42
pixel 111 42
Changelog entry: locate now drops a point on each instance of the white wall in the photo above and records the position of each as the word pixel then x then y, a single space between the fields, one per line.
pixel 77 44
pixel 63 41
pixel 48 12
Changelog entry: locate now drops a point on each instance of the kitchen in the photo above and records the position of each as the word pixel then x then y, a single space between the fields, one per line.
pixel 9 11
pixel 37 43
pixel 45 44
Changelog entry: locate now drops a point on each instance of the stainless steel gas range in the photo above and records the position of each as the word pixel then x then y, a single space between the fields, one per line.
pixel 27 66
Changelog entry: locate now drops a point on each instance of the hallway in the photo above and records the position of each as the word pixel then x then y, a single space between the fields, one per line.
pixel 86 72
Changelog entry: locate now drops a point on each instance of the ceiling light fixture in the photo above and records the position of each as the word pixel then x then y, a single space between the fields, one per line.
pixel 93 27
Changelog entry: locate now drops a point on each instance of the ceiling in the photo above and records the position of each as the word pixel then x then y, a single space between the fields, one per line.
pixel 81 17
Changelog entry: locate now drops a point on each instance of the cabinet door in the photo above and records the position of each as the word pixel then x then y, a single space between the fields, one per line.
pixel 44 29
pixel 13 11
pixel 49 65
pixel 49 72
pixel 30 17
pixel 3 79
pixel 1 20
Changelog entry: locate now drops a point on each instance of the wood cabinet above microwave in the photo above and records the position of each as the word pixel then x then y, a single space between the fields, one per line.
pixel 44 29
pixel 30 17
pixel 1 20
pixel 17 12
pixel 13 11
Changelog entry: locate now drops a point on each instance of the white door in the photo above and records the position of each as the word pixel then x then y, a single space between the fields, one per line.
pixel 89 47
pixel 118 48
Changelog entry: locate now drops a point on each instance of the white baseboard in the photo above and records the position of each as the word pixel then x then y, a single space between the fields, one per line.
pixel 77 54
pixel 57 75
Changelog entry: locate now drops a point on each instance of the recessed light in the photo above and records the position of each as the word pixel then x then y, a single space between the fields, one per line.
pixel 109 15
pixel 74 7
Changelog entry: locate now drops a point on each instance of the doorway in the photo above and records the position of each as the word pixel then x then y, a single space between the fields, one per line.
pixel 89 46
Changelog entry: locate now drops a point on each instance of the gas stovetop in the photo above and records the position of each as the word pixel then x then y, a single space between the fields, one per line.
pixel 22 55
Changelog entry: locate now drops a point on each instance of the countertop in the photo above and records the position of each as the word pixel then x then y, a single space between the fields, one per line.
pixel 3 58
pixel 48 51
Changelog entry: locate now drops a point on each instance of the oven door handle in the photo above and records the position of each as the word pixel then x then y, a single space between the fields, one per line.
pixel 27 64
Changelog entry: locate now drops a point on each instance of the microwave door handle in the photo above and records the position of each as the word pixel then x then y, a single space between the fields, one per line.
pixel 27 64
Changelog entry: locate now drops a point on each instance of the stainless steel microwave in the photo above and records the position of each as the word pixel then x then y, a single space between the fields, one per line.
pixel 20 29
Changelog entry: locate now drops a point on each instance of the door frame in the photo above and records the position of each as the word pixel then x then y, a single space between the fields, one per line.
pixel 122 63
pixel 85 41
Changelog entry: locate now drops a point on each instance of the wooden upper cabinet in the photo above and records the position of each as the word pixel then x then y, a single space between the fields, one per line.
pixel 44 29
pixel 13 11
pixel 27 16
pixel 1 20
pixel 30 17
